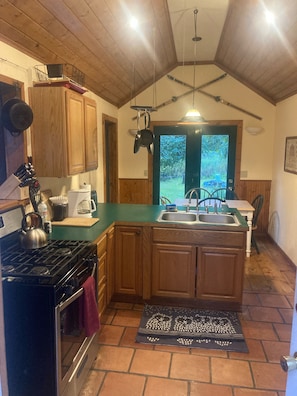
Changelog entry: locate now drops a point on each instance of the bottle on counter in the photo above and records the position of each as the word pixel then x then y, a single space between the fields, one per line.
pixel 42 210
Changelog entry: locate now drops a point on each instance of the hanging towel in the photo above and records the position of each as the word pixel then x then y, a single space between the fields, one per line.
pixel 90 313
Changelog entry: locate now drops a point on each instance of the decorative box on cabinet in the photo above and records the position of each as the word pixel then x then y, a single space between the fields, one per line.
pixel 63 132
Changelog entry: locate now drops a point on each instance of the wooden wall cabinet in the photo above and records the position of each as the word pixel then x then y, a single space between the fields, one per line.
pixel 128 268
pixel 63 132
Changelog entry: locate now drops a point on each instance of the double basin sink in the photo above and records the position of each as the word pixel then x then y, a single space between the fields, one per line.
pixel 196 217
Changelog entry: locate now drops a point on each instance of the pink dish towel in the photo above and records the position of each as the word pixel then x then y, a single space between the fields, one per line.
pixel 90 311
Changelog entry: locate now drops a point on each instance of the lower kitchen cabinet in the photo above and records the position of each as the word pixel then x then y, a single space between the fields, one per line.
pixel 102 274
pixel 173 270
pixel 110 264
pixel 202 265
pixel 220 274
pixel 128 268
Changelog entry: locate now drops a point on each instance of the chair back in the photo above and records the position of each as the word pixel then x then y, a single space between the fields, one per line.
pixel 224 193
pixel 257 204
pixel 202 193
pixel 164 200
pixel 210 201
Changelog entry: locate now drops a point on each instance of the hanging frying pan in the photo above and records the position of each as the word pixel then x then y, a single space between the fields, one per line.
pixel 16 115
pixel 144 137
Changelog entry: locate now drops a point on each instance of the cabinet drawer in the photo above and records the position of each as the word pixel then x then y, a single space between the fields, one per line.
pixel 101 245
pixel 199 237
pixel 102 271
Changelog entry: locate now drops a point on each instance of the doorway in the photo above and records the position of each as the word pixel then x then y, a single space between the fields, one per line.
pixel 192 156
pixel 110 158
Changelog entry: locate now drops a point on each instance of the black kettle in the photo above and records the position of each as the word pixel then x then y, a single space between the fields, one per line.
pixel 32 235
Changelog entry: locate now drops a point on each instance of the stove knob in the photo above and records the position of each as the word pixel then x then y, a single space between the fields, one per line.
pixel 68 290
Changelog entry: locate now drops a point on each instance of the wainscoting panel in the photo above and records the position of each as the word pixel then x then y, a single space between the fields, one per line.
pixel 134 191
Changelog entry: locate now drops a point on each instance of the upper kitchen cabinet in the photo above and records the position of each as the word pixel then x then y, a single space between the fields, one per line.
pixel 63 132
pixel 91 145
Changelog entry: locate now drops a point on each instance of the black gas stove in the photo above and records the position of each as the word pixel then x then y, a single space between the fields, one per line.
pixel 46 265
pixel 45 299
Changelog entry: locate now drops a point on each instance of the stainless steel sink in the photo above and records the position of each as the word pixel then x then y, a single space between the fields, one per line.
pixel 198 218
pixel 177 216
pixel 217 218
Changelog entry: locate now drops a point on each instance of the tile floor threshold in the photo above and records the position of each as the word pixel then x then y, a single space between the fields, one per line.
pixel 126 368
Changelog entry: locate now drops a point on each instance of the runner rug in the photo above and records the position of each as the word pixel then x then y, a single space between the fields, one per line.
pixel 191 328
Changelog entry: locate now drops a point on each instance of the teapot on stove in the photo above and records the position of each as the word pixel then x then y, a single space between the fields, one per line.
pixel 32 235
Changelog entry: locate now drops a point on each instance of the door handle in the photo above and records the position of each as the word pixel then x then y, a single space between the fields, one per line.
pixel 289 363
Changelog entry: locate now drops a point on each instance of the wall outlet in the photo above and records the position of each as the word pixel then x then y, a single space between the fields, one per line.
pixel 145 173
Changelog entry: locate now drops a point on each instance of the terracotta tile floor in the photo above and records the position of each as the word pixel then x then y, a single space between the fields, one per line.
pixel 124 368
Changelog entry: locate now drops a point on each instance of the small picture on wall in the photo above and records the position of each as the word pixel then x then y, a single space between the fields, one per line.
pixel 291 155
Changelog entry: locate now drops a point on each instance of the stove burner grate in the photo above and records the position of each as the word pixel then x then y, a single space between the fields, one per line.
pixel 40 270
pixel 47 264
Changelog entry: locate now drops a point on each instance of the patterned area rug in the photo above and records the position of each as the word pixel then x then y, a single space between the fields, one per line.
pixel 191 328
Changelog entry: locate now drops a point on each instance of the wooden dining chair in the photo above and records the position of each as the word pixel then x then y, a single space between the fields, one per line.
pixel 164 200
pixel 224 193
pixel 257 204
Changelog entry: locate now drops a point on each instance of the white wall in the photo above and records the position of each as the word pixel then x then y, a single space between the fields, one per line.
pixel 283 214
pixel 257 151
pixel 19 66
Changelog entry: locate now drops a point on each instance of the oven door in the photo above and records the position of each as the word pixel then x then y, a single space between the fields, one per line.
pixel 75 351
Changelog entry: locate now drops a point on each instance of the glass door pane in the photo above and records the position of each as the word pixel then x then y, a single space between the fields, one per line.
pixel 172 166
pixel 214 161
pixel 186 157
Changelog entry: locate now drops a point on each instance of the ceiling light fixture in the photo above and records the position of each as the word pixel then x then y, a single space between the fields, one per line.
pixel 134 23
pixel 193 115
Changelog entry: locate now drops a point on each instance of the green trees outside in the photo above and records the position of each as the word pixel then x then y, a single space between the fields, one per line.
pixel 213 169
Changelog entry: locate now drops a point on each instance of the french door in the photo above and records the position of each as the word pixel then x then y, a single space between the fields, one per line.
pixel 190 156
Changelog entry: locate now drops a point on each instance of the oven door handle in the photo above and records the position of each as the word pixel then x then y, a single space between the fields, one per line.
pixel 94 269
pixel 64 304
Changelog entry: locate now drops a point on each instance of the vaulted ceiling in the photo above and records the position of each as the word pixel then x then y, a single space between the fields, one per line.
pixel 118 62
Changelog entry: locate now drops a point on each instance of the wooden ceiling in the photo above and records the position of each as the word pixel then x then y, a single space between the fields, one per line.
pixel 118 62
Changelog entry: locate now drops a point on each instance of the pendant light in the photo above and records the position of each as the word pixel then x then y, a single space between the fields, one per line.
pixel 193 115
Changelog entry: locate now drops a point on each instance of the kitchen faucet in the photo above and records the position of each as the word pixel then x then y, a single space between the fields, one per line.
pixel 193 191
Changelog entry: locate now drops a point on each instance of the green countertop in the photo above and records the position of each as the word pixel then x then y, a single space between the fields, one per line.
pixel 109 213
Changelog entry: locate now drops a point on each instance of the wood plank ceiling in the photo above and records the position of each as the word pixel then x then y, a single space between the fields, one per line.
pixel 118 62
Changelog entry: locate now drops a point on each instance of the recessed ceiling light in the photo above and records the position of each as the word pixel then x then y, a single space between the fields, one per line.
pixel 270 17
pixel 134 23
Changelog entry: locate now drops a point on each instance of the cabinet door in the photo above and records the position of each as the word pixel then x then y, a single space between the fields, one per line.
pixel 91 143
pixel 75 132
pixel 128 272
pixel 220 274
pixel 110 264
pixel 48 131
pixel 173 270
pixel 102 274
